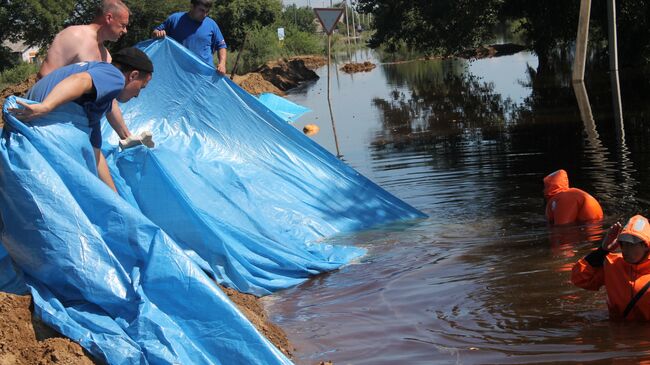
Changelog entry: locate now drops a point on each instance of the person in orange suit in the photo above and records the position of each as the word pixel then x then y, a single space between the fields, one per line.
pixel 626 275
pixel 568 205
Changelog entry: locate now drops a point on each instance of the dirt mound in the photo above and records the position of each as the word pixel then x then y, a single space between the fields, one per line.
pixel 251 307
pixel 312 62
pixel 358 67
pixel 255 84
pixel 286 74
pixel 24 340
pixel 494 50
pixel 279 76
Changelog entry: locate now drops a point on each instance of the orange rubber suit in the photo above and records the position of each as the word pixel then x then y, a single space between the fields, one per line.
pixel 621 279
pixel 568 205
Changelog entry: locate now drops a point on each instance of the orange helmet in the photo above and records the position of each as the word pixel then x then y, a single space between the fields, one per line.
pixel 638 226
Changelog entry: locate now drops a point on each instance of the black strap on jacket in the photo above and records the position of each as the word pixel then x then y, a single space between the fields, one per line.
pixel 636 298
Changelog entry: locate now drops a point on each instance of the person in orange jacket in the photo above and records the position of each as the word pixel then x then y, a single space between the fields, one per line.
pixel 568 205
pixel 626 276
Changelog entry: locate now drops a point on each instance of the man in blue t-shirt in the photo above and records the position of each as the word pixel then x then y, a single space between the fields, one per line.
pixel 92 85
pixel 197 32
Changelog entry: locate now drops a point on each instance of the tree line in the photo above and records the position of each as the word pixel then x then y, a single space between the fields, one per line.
pixel 445 27
pixel 36 22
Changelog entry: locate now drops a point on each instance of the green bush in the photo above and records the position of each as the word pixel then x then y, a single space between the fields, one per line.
pixel 261 45
pixel 301 43
pixel 18 73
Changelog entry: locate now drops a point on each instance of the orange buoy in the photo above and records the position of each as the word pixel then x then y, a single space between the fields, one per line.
pixel 311 129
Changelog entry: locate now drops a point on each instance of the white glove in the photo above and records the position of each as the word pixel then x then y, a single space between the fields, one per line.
pixel 145 138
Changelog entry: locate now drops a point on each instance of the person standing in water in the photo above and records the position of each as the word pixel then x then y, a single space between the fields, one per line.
pixel 565 205
pixel 625 275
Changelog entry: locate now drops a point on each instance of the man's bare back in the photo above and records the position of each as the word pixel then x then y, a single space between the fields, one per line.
pixel 84 43
pixel 74 44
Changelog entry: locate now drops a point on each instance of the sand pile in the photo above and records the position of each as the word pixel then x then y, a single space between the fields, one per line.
pixel 25 340
pixel 358 67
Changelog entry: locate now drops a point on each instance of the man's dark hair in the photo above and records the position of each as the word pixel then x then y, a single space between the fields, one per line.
pixel 130 59
pixel 127 69
pixel 206 3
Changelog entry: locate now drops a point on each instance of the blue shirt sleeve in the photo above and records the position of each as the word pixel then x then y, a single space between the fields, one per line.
pixel 108 82
pixel 218 42
pixel 165 25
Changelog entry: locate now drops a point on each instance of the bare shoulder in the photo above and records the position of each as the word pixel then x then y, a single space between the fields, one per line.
pixel 82 33
pixel 70 38
pixel 72 32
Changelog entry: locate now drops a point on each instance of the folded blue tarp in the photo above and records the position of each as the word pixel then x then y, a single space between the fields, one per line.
pixel 231 190
pixel 285 109
pixel 99 271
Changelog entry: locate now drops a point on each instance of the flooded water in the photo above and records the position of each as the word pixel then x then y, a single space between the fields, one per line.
pixel 483 279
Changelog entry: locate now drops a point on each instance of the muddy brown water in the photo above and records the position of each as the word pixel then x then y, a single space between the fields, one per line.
pixel 483 279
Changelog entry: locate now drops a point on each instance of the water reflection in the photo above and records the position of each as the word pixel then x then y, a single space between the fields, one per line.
pixel 483 280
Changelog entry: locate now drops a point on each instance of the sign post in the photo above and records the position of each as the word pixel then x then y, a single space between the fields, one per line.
pixel 328 18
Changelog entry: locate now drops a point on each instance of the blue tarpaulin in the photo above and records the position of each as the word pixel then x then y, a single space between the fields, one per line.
pixel 285 109
pixel 231 192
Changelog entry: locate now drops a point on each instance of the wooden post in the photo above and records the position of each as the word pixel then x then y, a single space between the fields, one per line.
pixel 241 50
pixel 581 41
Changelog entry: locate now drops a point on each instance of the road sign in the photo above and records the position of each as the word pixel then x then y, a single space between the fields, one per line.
pixel 328 18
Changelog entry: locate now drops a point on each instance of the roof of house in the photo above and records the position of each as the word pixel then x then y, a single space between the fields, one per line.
pixel 19 46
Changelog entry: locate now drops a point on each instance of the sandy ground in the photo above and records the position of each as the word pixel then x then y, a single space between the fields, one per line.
pixel 25 340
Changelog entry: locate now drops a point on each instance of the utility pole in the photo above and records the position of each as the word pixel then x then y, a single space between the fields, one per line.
pixel 354 28
pixel 613 62
pixel 347 20
pixel 581 41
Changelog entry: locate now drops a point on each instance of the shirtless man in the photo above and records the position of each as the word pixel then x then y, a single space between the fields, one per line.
pixel 84 43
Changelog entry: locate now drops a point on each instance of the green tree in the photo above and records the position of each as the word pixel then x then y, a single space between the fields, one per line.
pixel 447 26
pixel 146 15
pixel 236 17
pixel 545 24
pixel 436 27
pixel 37 21
pixel 300 17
